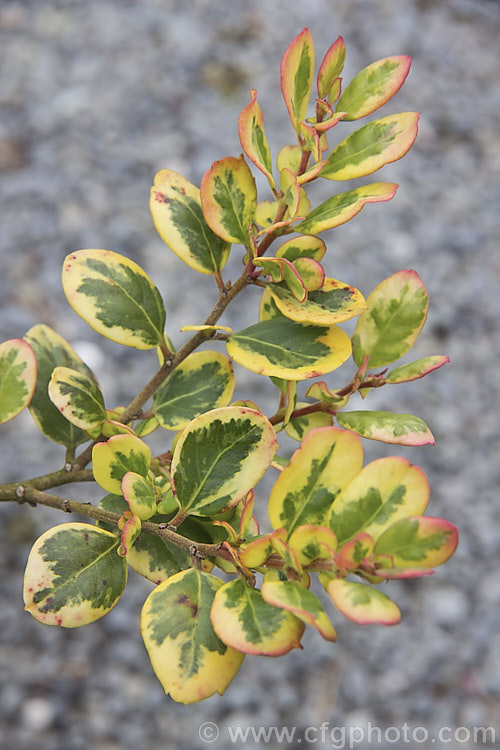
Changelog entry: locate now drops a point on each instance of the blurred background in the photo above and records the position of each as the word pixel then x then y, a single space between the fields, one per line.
pixel 95 97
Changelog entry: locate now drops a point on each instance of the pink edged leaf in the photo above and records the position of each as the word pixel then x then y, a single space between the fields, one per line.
pixel 245 621
pixel 297 69
pixel 330 122
pixel 18 371
pixel 311 272
pixel 246 517
pixel 253 138
pixel 255 553
pixel 321 392
pixel 417 369
pixel 374 86
pixel 331 67
pixel 387 426
pixel 139 494
pixel 311 140
pixel 395 574
pixel 332 304
pixel 291 562
pixel 372 146
pixel 305 605
pixel 302 247
pixel 351 555
pixel 343 207
pixel 363 604
pixel 312 543
pixel 418 542
pixel 229 199
pixel 130 532
pixel 397 310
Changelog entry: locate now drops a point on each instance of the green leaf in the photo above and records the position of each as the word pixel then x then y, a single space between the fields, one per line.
pixel 285 349
pixel 418 542
pixel 115 297
pixel 203 381
pixel 363 604
pixel 311 272
pixel 73 575
pixel 219 457
pixel 333 303
pixel 331 67
pixel 298 427
pixel 417 369
pixel 139 494
pixel 373 86
pixel 189 659
pixel 397 309
pixel 113 459
pixel 297 69
pixel 157 559
pixel 52 351
pixel 387 426
pixel 17 377
pixel 384 491
pixel 243 620
pixel 371 147
pixel 325 463
pixel 229 199
pixel 344 206
pixel 302 603
pixel 78 398
pixel 312 543
pixel 253 137
pixel 176 208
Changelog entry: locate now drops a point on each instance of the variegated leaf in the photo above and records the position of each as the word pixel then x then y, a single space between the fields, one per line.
pixel 51 351
pixel 372 146
pixel 219 457
pixel 131 530
pixel 113 459
pixel 325 463
pixel 311 272
pixel 78 398
pixel 253 137
pixel 343 207
pixel 312 543
pixel 373 86
pixel 203 381
pixel 417 369
pixel 298 427
pixel 331 67
pixel 245 621
pixel 302 247
pixel 289 350
pixel 18 369
pixel 115 297
pixel 352 554
pixel 302 603
pixel 73 575
pixel 189 659
pixel 290 189
pixel 387 426
pixel 176 208
pixel 333 303
pixel 418 542
pixel 229 199
pixel 297 69
pixel 397 309
pixel 363 604
pixel 383 492
pixel 139 494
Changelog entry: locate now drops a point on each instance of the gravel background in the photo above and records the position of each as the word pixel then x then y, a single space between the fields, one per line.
pixel 95 97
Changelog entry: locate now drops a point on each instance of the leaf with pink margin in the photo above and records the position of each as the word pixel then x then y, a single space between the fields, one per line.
pixel 312 543
pixel 363 604
pixel 302 247
pixel 130 532
pixel 345 206
pixel 305 605
pixel 351 555
pixel 229 199
pixel 387 426
pixel 331 67
pixel 297 69
pixel 253 138
pixel 311 140
pixel 291 191
pixel 417 369
pixel 311 272
pixel 418 542
pixel 374 86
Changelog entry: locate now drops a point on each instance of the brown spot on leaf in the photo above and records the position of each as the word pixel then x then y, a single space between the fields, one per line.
pixel 183 599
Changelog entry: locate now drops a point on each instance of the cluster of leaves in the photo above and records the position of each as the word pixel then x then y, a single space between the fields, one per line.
pixel 177 517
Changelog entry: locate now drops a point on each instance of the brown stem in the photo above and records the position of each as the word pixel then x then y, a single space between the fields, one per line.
pixel 54 479
pixel 304 411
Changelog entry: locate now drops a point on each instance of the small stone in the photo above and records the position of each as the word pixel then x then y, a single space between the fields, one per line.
pixel 37 714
